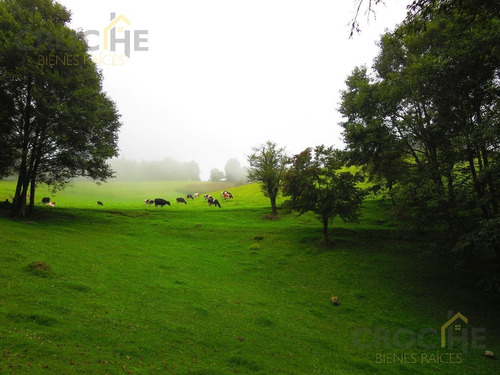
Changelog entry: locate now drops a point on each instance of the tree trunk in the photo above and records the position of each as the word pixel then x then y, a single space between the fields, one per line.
pixel 443 202
pixel 484 158
pixel 33 175
pixel 19 206
pixel 325 230
pixel 273 205
pixel 273 193
pixel 32 195
pixel 451 188
pixel 490 182
pixel 391 193
pixel 477 186
pixel 19 201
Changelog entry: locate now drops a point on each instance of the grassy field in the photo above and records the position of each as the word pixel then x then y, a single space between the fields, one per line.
pixel 192 289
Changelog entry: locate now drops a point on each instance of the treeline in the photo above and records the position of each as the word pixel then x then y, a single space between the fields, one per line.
pixel 165 170
pixel 424 121
pixel 233 172
pixel 170 169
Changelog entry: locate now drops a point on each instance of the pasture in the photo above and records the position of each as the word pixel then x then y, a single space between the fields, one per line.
pixel 128 288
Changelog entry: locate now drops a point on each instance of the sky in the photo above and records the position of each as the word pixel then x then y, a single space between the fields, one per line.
pixel 208 80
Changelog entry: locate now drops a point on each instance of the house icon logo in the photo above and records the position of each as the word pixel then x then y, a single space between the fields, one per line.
pixel 455 322
pixel 116 41
pixel 116 24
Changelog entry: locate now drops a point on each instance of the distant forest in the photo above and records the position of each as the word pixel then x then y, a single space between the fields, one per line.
pixel 165 170
pixel 172 170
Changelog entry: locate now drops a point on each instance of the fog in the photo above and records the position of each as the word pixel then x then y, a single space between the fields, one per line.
pixel 170 169
pixel 164 170
pixel 204 81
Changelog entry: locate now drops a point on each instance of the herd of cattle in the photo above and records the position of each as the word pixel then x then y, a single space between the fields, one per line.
pixel 209 198
pixel 162 202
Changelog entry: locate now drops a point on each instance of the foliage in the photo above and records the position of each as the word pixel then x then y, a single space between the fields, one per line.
pixel 234 172
pixel 268 164
pixel 425 10
pixel 216 175
pixel 484 238
pixel 316 183
pixel 58 121
pixel 372 144
pixel 426 117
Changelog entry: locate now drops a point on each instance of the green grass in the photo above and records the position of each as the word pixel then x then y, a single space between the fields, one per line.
pixel 192 289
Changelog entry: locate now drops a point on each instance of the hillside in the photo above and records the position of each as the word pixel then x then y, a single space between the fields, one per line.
pixel 127 288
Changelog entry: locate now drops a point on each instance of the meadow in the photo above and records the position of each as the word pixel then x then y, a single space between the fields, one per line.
pixel 128 288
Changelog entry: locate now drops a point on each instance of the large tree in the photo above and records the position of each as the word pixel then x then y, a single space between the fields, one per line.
pixel 433 97
pixel 268 163
pixel 60 123
pixel 316 182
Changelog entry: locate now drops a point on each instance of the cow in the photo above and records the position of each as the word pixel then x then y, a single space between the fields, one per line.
pixel 213 201
pixel 181 200
pixel 196 195
pixel 100 203
pixel 51 204
pixel 207 196
pixel 45 200
pixel 161 202
pixel 189 196
pixel 227 195
pixel 149 201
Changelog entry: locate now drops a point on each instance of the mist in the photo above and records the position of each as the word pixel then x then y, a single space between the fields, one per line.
pixel 170 169
pixel 212 79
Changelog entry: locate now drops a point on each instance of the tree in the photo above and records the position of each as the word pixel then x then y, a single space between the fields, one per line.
pixel 60 123
pixel 316 182
pixel 431 101
pixel 267 166
pixel 372 145
pixel 216 175
pixel 426 10
pixel 234 171
pixel 355 27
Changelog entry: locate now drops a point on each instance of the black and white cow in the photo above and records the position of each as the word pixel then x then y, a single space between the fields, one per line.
pixel 213 201
pixel 45 200
pixel 181 200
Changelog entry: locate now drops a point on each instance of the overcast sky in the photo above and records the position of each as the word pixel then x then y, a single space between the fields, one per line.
pixel 222 76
